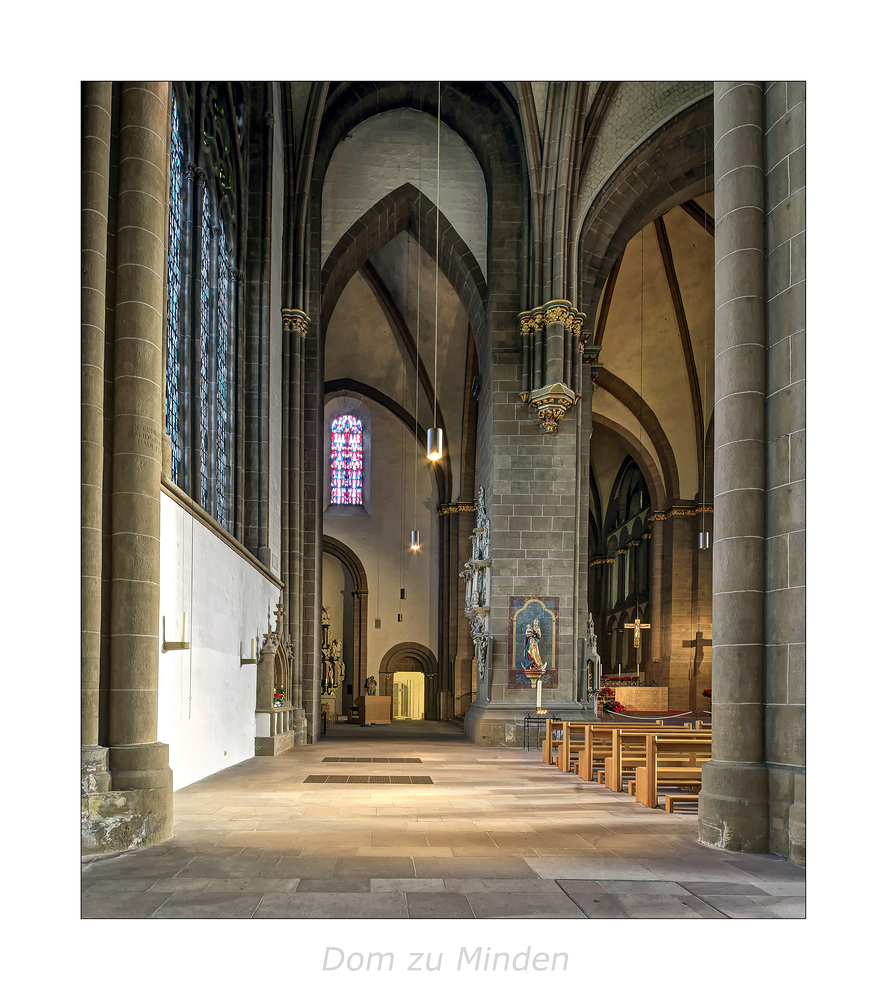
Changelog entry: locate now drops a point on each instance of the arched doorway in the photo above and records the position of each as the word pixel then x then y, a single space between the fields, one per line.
pixel 395 668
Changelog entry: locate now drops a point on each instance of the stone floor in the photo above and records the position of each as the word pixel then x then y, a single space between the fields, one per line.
pixel 495 834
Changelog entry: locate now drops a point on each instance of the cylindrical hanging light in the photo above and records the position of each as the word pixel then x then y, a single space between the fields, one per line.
pixel 435 443
pixel 703 540
pixel 414 541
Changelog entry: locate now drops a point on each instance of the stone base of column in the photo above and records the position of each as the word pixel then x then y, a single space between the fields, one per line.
pixel 502 725
pixel 94 775
pixel 734 807
pixel 797 823
pixel 136 810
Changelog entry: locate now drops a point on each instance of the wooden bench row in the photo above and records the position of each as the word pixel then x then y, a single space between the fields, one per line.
pixel 647 755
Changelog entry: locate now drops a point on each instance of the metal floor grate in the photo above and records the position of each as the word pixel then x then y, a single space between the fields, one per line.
pixel 369 779
pixel 371 760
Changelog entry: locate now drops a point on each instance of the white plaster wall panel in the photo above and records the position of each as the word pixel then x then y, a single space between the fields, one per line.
pixel 207 700
pixel 400 147
pixel 276 387
pixel 381 542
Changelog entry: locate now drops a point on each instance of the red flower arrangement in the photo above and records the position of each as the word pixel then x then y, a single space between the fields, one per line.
pixel 706 693
pixel 607 702
pixel 279 692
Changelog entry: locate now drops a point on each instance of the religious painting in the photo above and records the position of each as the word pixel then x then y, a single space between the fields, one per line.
pixel 532 636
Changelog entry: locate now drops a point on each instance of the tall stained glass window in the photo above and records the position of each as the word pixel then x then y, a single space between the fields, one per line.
pixel 205 347
pixel 346 465
pixel 173 282
pixel 222 388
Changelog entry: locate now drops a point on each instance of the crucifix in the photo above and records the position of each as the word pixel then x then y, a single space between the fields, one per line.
pixel 637 625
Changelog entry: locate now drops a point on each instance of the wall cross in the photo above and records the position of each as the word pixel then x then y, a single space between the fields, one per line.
pixel 637 626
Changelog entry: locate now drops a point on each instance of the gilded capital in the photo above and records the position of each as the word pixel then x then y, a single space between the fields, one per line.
pixel 295 321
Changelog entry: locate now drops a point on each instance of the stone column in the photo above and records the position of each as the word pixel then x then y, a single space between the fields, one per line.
pixel 295 325
pixel 94 214
pixel 733 808
pixel 139 764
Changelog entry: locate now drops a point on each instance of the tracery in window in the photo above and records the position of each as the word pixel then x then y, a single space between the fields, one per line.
pixel 222 386
pixel 173 284
pixel 203 395
pixel 346 460
pixel 205 346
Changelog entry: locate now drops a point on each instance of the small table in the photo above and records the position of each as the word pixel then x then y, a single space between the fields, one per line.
pixel 534 725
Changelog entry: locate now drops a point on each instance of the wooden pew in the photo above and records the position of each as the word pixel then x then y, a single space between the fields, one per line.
pixel 580 746
pixel 670 762
pixel 574 733
pixel 629 750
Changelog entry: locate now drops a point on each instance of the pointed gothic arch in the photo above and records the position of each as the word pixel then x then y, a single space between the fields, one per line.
pixel 405 209
pixel 673 165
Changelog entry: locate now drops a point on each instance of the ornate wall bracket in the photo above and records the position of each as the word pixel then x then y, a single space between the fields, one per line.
pixel 551 403
pixel 553 348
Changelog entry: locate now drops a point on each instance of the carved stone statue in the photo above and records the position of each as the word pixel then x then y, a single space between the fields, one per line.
pixel 481 642
pixel 532 657
pixel 370 687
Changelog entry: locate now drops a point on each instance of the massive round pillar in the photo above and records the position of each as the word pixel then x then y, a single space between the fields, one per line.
pixel 95 171
pixel 137 811
pixel 733 808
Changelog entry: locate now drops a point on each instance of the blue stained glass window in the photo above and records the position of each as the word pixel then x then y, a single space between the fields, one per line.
pixel 205 345
pixel 222 389
pixel 173 283
pixel 346 461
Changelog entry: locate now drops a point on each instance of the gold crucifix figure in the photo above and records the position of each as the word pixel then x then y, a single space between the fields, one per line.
pixel 637 626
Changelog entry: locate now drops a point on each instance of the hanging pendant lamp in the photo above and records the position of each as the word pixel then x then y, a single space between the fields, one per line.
pixel 434 449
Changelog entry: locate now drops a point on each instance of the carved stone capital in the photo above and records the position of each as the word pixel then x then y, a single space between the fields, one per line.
pixel 295 321
pixel 268 118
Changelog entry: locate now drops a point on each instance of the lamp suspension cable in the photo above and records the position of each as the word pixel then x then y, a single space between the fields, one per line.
pixel 704 541
pixel 637 613
pixel 435 434
pixel 414 534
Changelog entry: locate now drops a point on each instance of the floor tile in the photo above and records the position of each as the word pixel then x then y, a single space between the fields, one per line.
pixel 334 885
pixel 253 885
pixel 500 885
pixel 723 888
pixel 408 885
pixel 229 905
pixel 527 905
pixel 592 868
pixel 439 905
pixel 120 904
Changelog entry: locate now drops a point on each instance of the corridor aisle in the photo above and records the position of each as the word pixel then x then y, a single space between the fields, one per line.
pixel 412 820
